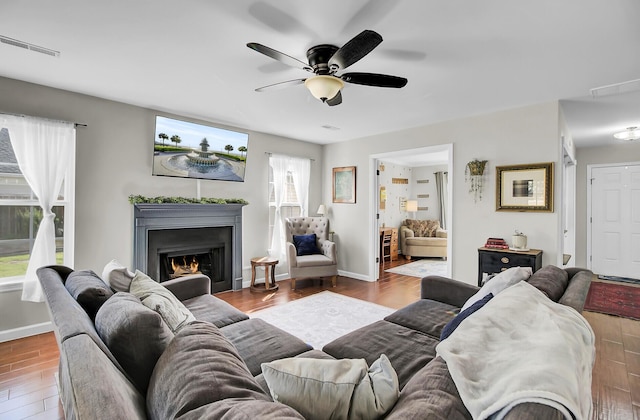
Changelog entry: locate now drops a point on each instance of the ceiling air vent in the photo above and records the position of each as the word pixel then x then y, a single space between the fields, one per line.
pixel 27 46
pixel 616 89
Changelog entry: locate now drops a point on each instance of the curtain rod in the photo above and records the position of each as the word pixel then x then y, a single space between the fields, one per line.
pixel 301 157
pixel 48 119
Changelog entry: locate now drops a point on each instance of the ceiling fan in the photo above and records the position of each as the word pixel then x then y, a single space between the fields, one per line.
pixel 325 61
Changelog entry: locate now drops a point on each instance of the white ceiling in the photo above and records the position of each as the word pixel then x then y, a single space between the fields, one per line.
pixel 462 58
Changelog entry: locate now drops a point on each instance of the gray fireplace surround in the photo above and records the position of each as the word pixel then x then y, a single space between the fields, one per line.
pixel 148 217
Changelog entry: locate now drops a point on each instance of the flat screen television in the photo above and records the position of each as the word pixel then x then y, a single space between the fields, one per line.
pixel 189 150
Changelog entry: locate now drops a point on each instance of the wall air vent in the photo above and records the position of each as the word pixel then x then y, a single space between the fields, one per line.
pixel 27 46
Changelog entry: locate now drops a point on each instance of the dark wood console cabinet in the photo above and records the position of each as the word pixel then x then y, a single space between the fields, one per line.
pixel 491 261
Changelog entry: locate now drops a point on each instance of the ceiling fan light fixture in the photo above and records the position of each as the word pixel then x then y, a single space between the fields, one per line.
pixel 631 133
pixel 324 87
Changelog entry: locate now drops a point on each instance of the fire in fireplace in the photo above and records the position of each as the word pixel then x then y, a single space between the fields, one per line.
pixel 179 252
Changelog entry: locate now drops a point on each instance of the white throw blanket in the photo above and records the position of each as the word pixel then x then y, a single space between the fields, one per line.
pixel 522 347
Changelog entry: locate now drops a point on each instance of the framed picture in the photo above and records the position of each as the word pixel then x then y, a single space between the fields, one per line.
pixel 344 184
pixel 525 187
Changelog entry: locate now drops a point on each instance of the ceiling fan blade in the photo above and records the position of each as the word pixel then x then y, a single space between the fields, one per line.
pixel 359 46
pixel 281 85
pixel 336 100
pixel 374 79
pixel 277 55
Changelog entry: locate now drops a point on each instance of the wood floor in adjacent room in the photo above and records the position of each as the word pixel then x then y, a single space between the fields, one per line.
pixel 27 366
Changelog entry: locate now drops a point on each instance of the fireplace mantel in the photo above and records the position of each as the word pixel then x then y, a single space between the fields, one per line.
pixel 149 217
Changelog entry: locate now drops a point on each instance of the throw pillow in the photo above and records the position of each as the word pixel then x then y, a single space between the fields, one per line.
pixel 135 334
pixel 306 244
pixel 199 367
pixel 550 280
pixel 157 297
pixel 453 324
pixel 88 290
pixel 346 388
pixel 498 283
pixel 431 228
pixel 117 276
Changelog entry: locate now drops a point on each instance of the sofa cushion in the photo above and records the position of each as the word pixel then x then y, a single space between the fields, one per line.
pixel 91 386
pixel 200 366
pixel 135 334
pixel 160 299
pixel 499 282
pixel 216 311
pixel 345 388
pixel 453 324
pixel 306 244
pixel 430 394
pixel 426 315
pixel 313 260
pixel 88 290
pixel 550 280
pixel 243 410
pixel 260 342
pixel 407 349
pixel 425 241
pixel 117 276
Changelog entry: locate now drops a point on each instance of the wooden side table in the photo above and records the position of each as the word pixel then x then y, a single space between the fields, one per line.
pixel 269 265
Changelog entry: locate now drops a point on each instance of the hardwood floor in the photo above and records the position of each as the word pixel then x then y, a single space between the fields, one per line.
pixel 27 366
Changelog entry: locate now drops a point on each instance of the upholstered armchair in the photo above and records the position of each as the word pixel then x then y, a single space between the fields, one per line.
pixel 320 261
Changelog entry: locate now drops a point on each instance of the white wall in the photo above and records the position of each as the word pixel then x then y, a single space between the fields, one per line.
pixel 392 215
pixel 433 204
pixel 114 157
pixel 516 136
pixel 620 153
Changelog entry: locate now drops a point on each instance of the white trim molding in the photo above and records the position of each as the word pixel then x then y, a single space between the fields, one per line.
pixel 26 331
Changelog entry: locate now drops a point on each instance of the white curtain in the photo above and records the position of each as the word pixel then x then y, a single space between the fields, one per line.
pixel 442 182
pixel 300 169
pixel 278 164
pixel 42 149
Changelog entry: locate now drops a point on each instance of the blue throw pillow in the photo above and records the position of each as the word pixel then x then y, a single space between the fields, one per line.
pixel 306 244
pixel 453 324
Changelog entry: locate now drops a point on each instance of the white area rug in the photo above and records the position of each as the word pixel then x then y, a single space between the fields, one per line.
pixel 421 268
pixel 323 317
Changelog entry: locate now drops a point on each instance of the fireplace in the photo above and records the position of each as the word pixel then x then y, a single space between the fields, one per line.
pixel 171 240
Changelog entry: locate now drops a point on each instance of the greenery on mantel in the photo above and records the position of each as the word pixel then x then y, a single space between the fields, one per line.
pixel 139 199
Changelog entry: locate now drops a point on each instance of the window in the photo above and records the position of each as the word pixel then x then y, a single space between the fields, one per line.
pixel 20 216
pixel 288 197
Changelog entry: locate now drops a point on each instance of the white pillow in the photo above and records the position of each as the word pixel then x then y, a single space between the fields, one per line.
pixel 346 388
pixel 117 276
pixel 498 283
pixel 157 297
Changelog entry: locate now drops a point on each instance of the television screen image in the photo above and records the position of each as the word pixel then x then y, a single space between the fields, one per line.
pixel 189 150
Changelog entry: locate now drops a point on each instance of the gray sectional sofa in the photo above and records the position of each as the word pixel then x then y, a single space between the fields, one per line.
pixel 212 367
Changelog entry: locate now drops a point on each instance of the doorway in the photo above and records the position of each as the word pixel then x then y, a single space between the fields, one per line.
pixel 394 188
pixel 614 216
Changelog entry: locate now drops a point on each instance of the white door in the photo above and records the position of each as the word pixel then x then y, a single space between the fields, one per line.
pixel 615 224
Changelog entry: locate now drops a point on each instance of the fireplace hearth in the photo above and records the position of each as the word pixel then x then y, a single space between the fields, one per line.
pixel 171 240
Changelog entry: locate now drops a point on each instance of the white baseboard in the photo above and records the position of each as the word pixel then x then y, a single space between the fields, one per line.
pixel 27 331
pixel 356 276
pixel 285 276
pixel 260 280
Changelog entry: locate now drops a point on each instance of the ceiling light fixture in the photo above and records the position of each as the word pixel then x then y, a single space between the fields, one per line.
pixel 631 133
pixel 324 87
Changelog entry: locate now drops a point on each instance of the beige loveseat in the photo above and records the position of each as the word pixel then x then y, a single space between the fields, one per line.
pixel 423 238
